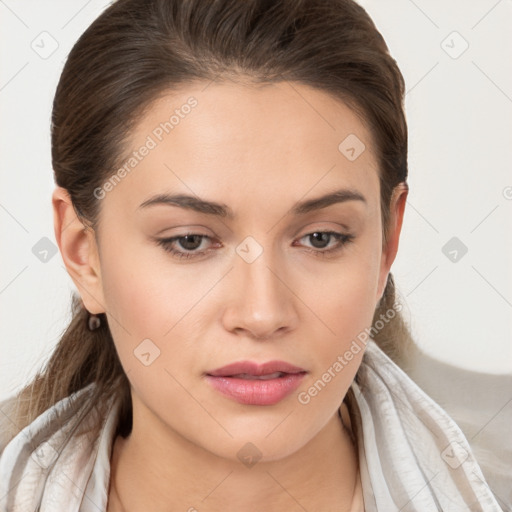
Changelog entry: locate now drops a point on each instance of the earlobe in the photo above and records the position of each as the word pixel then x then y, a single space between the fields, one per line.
pixel 397 208
pixel 78 249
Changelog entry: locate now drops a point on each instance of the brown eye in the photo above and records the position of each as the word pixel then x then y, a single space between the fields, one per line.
pixel 188 246
pixel 320 239
pixel 190 242
pixel 324 243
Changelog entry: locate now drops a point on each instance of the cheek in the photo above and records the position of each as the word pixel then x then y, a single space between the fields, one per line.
pixel 149 297
pixel 147 307
pixel 145 291
pixel 344 302
pixel 131 296
pixel 342 294
pixel 138 310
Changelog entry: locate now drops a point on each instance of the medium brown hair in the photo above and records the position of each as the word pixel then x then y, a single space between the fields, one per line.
pixel 137 50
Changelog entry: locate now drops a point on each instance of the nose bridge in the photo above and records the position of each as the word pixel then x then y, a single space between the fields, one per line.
pixel 262 304
pixel 261 283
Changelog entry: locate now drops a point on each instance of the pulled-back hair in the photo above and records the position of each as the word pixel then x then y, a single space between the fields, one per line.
pixel 138 50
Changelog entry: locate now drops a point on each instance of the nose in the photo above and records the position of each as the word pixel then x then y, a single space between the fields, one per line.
pixel 261 301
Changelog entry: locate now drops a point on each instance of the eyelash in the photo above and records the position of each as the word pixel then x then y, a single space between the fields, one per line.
pixel 168 243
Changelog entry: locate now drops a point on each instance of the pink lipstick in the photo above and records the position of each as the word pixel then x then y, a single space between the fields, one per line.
pixel 251 383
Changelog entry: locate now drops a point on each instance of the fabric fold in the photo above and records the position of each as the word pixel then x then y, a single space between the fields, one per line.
pixel 416 457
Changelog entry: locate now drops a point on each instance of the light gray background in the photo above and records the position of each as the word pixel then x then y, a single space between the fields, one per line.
pixel 459 110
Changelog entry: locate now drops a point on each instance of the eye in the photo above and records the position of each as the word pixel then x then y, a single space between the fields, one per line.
pixel 196 245
pixel 325 242
pixel 191 245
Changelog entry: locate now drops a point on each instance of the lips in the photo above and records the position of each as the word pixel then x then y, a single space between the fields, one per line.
pixel 248 376
pixel 251 383
pixel 254 369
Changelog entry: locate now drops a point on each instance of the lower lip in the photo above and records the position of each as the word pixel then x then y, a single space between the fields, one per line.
pixel 257 392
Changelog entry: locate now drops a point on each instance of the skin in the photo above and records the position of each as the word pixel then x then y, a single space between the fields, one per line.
pixel 258 150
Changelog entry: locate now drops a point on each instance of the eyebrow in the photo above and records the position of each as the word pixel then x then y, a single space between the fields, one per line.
pixel 212 208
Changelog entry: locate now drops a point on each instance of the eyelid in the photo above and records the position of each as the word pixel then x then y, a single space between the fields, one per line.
pixel 190 229
pixel 322 226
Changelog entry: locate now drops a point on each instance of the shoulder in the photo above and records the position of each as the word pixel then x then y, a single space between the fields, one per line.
pixel 8 424
pixel 421 439
pixel 66 435
pixel 66 414
pixel 480 405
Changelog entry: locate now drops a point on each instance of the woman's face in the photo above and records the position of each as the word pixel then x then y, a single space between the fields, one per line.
pixel 251 278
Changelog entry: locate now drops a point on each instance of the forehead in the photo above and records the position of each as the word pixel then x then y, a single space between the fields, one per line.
pixel 270 140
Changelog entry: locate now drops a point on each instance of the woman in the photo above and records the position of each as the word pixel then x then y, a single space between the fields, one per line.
pixel 231 183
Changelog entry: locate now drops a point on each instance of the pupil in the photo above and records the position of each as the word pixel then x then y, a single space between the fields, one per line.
pixel 190 241
pixel 320 240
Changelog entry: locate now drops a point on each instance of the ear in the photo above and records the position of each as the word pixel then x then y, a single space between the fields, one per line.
pixel 397 207
pixel 79 251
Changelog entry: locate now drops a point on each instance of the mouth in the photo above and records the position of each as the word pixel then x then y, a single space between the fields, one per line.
pixel 255 369
pixel 248 376
pixel 251 383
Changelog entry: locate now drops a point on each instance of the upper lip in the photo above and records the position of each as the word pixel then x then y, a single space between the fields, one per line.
pixel 253 368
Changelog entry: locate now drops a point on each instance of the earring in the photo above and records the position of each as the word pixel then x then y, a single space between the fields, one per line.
pixel 93 322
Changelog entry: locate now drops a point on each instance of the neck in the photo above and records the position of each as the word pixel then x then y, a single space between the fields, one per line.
pixel 161 476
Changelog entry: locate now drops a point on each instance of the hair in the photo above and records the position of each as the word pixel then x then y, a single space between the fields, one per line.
pixel 138 50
